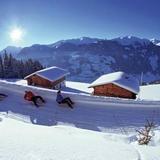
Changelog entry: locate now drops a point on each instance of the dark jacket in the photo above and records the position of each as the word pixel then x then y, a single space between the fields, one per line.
pixel 59 98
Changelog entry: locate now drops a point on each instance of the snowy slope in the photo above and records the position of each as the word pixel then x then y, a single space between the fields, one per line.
pixel 150 92
pixel 20 141
pixel 100 112
pixel 76 41
pixel 131 40
pixel 155 41
pixel 63 133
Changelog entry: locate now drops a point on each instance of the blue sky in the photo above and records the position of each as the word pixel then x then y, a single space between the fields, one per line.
pixel 47 21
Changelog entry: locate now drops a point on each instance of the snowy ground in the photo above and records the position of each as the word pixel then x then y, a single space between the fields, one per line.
pixel 96 129
pixel 22 141
pixel 150 92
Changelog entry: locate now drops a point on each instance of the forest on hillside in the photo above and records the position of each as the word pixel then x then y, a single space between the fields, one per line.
pixel 11 67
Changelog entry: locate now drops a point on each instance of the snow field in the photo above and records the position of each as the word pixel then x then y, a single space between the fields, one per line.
pixel 54 132
pixel 26 141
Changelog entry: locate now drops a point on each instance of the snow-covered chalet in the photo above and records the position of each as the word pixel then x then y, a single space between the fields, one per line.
pixel 52 78
pixel 117 84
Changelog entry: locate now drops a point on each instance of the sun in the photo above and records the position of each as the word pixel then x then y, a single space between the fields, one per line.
pixel 16 34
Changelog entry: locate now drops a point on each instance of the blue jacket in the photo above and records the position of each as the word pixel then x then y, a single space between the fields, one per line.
pixel 59 98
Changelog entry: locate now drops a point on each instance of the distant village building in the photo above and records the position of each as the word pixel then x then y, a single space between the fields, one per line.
pixel 117 84
pixel 52 77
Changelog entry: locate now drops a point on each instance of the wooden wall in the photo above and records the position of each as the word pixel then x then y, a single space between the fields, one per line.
pixel 36 80
pixel 112 90
pixel 58 82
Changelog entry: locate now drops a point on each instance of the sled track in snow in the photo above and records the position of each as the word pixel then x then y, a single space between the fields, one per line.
pixel 90 112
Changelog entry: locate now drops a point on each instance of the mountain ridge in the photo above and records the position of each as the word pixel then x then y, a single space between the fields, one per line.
pixel 88 58
pixel 86 40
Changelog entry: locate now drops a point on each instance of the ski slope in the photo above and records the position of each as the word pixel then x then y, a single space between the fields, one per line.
pixel 96 129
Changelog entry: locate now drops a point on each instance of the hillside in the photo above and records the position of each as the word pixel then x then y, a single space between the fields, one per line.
pixel 95 108
pixel 87 132
pixel 88 58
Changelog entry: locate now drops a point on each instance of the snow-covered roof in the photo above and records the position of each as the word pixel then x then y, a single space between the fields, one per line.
pixel 52 73
pixel 120 79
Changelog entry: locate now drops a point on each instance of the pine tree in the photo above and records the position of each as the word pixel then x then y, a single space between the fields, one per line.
pixel 1 68
pixel 6 65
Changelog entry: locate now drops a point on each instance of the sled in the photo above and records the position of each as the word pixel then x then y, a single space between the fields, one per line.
pixel 40 103
pixel 64 105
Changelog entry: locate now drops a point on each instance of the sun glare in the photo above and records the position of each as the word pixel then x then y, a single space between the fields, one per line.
pixel 16 34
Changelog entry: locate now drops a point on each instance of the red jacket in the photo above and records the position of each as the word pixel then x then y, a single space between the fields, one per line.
pixel 28 96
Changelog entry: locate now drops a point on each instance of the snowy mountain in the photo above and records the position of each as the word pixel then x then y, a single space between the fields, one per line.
pixel 77 41
pixel 86 58
pixel 11 49
pixel 131 40
pixel 155 41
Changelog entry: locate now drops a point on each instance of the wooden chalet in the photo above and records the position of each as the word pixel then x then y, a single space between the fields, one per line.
pixel 52 77
pixel 117 84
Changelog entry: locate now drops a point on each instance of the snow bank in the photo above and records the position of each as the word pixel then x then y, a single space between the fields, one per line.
pixel 26 141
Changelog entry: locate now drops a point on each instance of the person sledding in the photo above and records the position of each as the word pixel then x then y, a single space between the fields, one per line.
pixel 61 100
pixel 30 96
